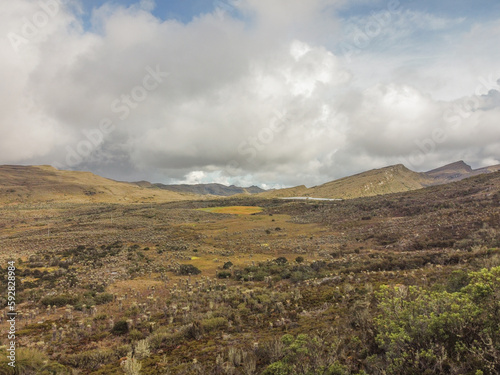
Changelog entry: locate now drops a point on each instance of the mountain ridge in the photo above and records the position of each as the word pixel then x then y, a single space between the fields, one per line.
pixel 47 184
pixel 208 189
pixel 392 179
pixel 458 171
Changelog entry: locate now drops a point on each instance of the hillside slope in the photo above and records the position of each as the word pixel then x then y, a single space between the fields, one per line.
pixel 29 184
pixel 393 179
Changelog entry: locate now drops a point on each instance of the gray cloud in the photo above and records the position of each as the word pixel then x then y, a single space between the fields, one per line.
pixel 254 97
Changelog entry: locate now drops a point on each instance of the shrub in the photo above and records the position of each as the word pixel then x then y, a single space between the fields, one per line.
pixel 120 327
pixel 131 366
pixel 31 362
pixel 135 335
pixel 457 280
pixel 227 265
pixel 278 368
pixel 188 269
pixel 142 350
pixel 213 324
pixel 281 260
pixel 337 369
pixel 60 300
pixel 447 332
pixel 163 337
pixel 224 275
pixel 194 331
pixel 318 265
pixel 103 298
pixel 90 360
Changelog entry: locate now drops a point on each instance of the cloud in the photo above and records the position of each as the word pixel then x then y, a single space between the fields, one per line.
pixel 253 96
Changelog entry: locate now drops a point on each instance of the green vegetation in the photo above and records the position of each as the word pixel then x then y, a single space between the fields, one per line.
pixel 120 327
pixel 31 362
pixel 188 269
pixel 423 331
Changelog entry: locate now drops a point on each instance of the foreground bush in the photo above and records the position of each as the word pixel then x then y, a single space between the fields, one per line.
pixel 31 362
pixel 426 332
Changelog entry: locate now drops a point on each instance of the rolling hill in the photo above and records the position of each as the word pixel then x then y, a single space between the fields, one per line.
pixel 30 184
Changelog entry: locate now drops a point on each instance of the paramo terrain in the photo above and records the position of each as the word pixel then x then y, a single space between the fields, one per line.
pixel 402 283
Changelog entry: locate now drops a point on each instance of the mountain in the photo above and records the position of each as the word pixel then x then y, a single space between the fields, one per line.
pixel 457 171
pixel 206 189
pixel 19 184
pixel 29 184
pixel 392 179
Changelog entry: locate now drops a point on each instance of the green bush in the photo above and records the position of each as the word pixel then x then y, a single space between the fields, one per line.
pixel 163 337
pixel 90 360
pixel 135 335
pixel 224 275
pixel 31 362
pixel 278 368
pixel 213 324
pixel 281 260
pixel 60 300
pixel 188 269
pixel 457 280
pixel 457 332
pixel 103 298
pixel 120 327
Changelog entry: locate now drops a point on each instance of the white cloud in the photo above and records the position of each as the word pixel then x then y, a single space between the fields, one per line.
pixel 254 99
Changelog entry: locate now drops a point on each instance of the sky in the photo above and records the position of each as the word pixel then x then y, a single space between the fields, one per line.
pixel 272 93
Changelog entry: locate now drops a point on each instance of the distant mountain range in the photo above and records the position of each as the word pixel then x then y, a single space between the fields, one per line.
pixel 205 189
pixel 27 184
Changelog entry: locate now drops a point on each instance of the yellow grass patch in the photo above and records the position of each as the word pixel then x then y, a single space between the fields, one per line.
pixel 235 210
